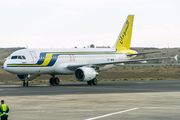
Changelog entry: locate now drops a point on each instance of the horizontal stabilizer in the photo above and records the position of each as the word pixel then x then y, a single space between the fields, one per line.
pixel 175 57
pixel 144 53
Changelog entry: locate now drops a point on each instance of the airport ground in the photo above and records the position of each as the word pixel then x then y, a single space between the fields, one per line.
pixel 113 100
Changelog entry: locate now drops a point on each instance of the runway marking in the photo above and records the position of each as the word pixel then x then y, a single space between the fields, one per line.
pixel 160 108
pixel 112 114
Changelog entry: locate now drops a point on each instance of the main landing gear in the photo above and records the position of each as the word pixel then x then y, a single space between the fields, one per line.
pixel 92 82
pixel 54 80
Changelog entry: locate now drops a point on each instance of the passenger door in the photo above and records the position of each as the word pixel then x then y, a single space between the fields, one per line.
pixel 34 57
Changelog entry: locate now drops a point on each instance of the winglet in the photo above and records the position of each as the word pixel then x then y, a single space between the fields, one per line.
pixel 175 57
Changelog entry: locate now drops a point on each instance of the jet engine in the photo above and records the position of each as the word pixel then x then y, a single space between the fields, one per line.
pixel 85 74
pixel 28 77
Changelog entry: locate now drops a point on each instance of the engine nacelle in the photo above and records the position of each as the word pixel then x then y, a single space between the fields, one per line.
pixel 28 77
pixel 85 74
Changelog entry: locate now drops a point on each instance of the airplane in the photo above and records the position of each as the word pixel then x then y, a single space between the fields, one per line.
pixel 84 63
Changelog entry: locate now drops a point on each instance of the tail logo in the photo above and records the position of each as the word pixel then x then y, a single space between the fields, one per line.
pixel 124 33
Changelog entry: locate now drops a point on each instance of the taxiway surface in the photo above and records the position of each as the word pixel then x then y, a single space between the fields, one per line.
pixel 116 100
pixel 83 88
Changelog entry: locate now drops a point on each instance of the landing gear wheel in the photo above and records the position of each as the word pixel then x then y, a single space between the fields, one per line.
pixel 94 81
pixel 89 82
pixel 51 81
pixel 56 81
pixel 27 84
pixel 24 84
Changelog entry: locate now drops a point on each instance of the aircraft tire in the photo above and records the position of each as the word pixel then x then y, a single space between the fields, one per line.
pixel 56 81
pixel 27 84
pixel 94 81
pixel 51 81
pixel 89 82
pixel 24 84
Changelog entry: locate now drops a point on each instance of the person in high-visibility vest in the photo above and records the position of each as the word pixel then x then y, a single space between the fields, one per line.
pixel 4 109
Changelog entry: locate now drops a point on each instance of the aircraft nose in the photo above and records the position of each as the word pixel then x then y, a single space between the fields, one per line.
pixel 5 66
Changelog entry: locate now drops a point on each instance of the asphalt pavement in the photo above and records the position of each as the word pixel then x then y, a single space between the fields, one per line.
pixel 115 100
pixel 83 88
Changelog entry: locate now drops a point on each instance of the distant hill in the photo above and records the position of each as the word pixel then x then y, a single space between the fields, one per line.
pixel 5 52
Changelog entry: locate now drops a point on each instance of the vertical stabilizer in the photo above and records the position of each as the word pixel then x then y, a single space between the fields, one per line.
pixel 124 39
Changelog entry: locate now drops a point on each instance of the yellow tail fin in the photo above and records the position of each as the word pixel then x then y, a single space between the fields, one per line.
pixel 124 39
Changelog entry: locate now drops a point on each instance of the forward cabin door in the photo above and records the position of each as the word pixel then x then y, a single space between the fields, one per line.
pixel 35 70
pixel 34 57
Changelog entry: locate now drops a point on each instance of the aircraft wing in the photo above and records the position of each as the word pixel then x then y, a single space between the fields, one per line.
pixel 73 67
pixel 144 53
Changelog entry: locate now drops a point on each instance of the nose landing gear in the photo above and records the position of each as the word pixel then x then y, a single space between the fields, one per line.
pixel 25 82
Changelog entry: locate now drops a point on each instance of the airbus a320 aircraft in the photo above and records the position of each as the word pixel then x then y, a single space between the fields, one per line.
pixel 84 63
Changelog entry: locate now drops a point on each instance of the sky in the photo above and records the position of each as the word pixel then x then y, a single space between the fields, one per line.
pixel 70 23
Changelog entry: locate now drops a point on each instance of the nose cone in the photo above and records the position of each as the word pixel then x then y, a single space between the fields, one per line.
pixel 8 69
pixel 5 66
pixel 11 69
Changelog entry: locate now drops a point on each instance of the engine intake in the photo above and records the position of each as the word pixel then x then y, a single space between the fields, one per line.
pixel 85 74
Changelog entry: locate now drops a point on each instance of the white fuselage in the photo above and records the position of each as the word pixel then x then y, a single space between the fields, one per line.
pixel 55 61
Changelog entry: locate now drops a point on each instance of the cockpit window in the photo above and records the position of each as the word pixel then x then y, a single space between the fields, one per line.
pixel 14 57
pixel 23 57
pixel 19 57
